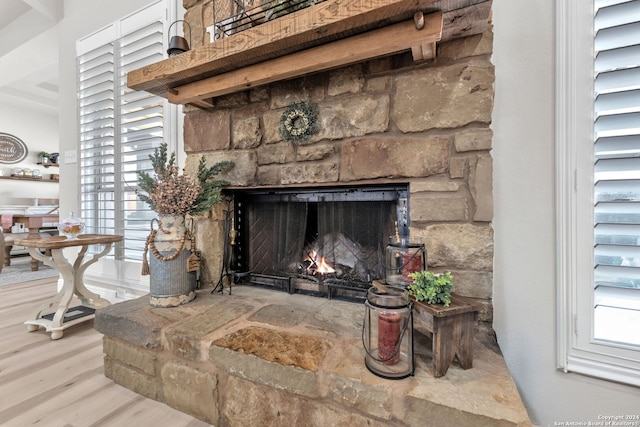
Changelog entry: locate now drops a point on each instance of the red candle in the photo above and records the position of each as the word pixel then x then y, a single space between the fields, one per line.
pixel 412 263
pixel 388 337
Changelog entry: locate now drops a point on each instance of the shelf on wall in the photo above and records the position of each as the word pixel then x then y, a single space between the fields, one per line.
pixel 29 178
pixel 47 164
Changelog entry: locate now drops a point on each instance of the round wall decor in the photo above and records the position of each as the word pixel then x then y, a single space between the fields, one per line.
pixel 12 149
pixel 299 122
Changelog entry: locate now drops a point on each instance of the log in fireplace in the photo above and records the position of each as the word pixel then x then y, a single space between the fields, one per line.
pixel 325 242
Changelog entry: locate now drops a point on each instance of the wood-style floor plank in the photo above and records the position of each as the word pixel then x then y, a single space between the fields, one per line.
pixel 61 383
pixel 30 359
pixel 44 380
pixel 13 339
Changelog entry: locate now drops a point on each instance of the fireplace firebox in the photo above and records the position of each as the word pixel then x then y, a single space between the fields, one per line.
pixel 326 242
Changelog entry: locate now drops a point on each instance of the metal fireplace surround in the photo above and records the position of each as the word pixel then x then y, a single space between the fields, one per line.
pixel 326 242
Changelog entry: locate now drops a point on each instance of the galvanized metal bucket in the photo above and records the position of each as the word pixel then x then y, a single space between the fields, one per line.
pixel 171 284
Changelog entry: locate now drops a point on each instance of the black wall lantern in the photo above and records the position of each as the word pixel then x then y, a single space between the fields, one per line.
pixel 178 44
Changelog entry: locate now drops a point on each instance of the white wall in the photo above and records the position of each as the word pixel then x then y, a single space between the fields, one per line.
pixel 525 259
pixel 38 129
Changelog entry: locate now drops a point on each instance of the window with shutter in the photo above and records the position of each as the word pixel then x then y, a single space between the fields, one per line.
pixel 598 192
pixel 617 172
pixel 119 127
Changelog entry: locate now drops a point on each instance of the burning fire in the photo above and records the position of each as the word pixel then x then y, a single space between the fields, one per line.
pixel 319 264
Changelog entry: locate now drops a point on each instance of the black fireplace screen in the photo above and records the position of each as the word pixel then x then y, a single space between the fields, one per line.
pixel 317 235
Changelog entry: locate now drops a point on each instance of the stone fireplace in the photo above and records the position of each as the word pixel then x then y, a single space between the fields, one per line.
pixel 403 145
pixel 384 122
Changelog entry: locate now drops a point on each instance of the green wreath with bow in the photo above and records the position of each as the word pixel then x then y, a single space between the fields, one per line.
pixel 299 122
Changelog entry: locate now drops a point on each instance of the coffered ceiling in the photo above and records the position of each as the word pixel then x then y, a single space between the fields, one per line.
pixel 29 53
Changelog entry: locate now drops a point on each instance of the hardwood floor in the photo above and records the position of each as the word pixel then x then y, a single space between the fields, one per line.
pixel 61 383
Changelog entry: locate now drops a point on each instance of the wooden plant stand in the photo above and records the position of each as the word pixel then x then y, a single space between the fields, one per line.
pixel 452 329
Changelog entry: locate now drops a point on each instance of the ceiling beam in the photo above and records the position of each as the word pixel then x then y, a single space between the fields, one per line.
pixel 51 9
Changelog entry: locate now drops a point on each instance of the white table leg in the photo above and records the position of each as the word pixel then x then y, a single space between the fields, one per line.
pixel 72 283
pixel 62 298
pixel 86 296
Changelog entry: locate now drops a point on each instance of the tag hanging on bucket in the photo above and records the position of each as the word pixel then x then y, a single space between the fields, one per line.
pixel 387 332
pixel 193 263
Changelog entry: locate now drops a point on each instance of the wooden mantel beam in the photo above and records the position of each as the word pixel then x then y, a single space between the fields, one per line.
pixel 318 25
pixel 381 42
pixel 312 26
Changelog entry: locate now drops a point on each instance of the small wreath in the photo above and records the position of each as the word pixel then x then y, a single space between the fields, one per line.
pixel 299 122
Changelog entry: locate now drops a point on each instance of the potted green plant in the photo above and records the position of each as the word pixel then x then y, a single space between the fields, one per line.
pixel 433 288
pixel 44 157
pixel 174 196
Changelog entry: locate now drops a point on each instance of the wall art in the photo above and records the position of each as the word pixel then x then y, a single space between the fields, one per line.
pixel 12 149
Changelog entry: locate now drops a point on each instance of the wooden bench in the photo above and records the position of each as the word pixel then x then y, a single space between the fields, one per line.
pixel 452 331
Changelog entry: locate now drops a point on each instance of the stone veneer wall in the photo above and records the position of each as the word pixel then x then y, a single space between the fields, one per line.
pixel 386 120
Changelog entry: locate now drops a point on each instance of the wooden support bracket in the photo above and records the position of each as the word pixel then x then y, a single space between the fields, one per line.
pixel 377 43
pixel 425 51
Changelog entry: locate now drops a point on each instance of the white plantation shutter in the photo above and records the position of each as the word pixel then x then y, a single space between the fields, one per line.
pixel 598 188
pixel 119 127
pixel 617 172
pixel 96 76
pixel 140 127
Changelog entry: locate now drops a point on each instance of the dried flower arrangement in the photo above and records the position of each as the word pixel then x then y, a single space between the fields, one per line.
pixel 168 192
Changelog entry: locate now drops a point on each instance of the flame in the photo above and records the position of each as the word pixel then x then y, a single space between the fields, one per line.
pixel 324 267
pixel 321 264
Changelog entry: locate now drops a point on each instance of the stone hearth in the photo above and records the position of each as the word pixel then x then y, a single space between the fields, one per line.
pixel 261 358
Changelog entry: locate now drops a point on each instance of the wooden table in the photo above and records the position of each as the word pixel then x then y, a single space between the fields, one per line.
pixel 73 284
pixel 34 222
pixel 452 329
